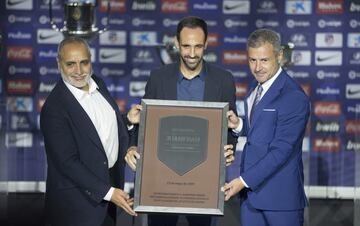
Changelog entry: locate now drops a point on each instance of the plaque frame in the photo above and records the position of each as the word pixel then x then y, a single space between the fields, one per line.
pixel 156 107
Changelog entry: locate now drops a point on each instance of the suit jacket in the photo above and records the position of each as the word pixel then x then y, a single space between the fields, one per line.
pixel 77 175
pixel 272 158
pixel 219 87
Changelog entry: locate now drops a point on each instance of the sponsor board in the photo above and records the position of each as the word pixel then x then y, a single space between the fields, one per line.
pixel 301 7
pixel 140 5
pixel 19 53
pixel 107 71
pixel 140 22
pixel 19 86
pixel 266 23
pixel 46 70
pixel 143 38
pixel 20 122
pixel 354 74
pixel 301 57
pixel 213 39
pixel 236 7
pixel 234 57
pixel 327 90
pixel 329 40
pixel 298 74
pixel 353 91
pixel 240 107
pixel 241 89
pixel 354 6
pixel 139 72
pixel 49 36
pixel 321 74
pixel 353 145
pixel 328 144
pixel 116 88
pixel 328 58
pixel 137 89
pixel 113 37
pixel 267 7
pixel 211 57
pixel 118 6
pixel 232 23
pixel 16 70
pixel 19 4
pixel 290 23
pixel 14 18
pixel 353 40
pixel 329 7
pixel 112 55
pixel 327 126
pixel 354 109
pixel 174 6
pixel 19 140
pixel 300 39
pixel 207 6
pixel 46 87
pixel 325 108
pixel 329 23
pixel 352 126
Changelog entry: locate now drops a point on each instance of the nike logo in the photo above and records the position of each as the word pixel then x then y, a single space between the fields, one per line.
pixel 43 36
pixel 107 56
pixel 320 59
pixel 137 89
pixel 15 2
pixel 228 7
pixel 353 92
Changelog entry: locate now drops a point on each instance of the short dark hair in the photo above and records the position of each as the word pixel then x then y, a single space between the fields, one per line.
pixel 261 36
pixel 72 40
pixel 191 22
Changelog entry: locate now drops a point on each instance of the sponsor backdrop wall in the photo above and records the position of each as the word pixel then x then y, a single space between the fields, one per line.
pixel 326 58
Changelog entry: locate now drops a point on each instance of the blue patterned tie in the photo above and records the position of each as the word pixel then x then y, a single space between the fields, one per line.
pixel 256 100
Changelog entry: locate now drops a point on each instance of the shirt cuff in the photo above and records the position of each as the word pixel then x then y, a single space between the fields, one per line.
pixel 238 129
pixel 242 180
pixel 109 194
pixel 130 127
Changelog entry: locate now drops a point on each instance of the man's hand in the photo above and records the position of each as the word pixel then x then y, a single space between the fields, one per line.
pixel 233 120
pixel 131 157
pixel 232 188
pixel 229 154
pixel 123 200
pixel 133 115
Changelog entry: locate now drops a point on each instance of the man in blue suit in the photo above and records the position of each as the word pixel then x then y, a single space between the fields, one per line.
pixel 84 151
pixel 277 111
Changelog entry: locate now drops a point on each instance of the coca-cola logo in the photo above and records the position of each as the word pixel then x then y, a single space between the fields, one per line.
pixel 20 53
pixel 174 6
pixel 327 109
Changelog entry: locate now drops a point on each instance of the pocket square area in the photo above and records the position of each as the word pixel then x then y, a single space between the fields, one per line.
pixel 269 109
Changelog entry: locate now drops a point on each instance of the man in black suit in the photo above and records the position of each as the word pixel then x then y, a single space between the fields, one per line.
pixel 84 151
pixel 190 79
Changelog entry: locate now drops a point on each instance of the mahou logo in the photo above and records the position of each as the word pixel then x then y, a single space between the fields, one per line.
pixel 20 53
pixel 327 108
pixel 234 57
pixel 330 7
pixel 19 86
pixel 115 6
pixel 327 144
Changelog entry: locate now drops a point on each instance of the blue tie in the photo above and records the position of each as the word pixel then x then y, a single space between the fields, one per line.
pixel 256 100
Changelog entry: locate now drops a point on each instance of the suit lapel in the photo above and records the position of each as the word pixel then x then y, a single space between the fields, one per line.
pixel 170 83
pixel 269 96
pixel 212 89
pixel 79 116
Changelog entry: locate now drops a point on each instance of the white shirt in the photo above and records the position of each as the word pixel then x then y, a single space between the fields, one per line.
pixel 103 117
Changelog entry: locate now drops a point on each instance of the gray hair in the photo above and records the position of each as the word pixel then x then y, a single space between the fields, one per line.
pixel 72 40
pixel 262 36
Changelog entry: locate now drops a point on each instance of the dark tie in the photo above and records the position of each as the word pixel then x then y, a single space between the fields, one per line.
pixel 256 100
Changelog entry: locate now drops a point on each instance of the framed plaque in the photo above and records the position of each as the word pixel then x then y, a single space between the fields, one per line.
pixel 182 164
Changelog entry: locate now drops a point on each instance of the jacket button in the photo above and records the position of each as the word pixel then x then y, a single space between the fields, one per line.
pixel 105 163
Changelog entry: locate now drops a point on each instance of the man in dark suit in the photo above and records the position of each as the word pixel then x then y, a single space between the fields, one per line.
pixel 84 151
pixel 277 111
pixel 190 79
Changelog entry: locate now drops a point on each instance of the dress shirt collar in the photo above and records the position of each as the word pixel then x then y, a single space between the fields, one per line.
pixel 79 93
pixel 266 85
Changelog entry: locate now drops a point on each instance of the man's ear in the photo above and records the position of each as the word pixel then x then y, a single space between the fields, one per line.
pixel 280 56
pixel 176 42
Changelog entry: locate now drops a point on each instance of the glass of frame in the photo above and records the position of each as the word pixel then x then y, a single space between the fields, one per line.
pixel 182 165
